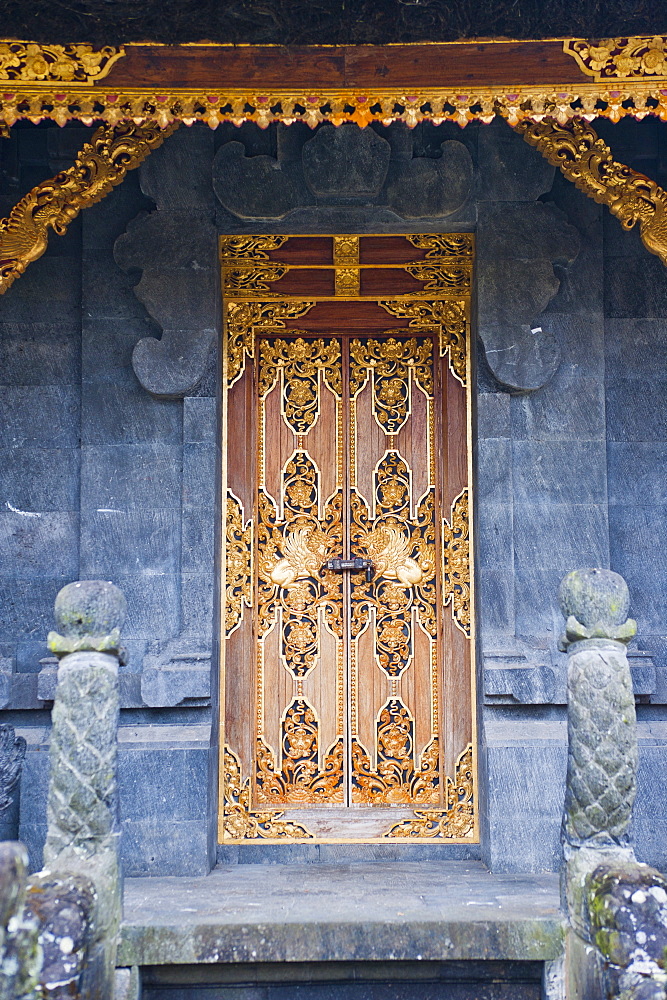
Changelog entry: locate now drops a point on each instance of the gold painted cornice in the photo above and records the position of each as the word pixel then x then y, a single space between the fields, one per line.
pixel 457 82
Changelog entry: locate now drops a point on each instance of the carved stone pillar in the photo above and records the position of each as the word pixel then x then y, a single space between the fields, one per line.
pixel 617 908
pixel 82 838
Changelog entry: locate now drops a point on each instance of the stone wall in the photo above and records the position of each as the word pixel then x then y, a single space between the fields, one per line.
pixel 110 449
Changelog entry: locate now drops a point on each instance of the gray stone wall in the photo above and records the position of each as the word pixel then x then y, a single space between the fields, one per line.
pixel 110 450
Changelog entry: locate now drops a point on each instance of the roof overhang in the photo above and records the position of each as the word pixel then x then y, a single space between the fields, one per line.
pixel 438 82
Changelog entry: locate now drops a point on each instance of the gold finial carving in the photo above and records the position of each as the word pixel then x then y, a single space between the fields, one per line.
pixel 587 161
pixel 620 58
pixel 29 62
pixel 101 165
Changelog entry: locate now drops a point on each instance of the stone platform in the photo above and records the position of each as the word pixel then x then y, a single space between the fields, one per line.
pixel 359 912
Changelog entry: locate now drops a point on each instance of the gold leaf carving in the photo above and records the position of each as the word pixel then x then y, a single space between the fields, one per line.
pixel 53 204
pixel 441 277
pixel 346 250
pixel 456 562
pixel 244 318
pixel 242 281
pixel 449 316
pixel 249 248
pixel 78 63
pixel 300 780
pixel 242 823
pixel 300 362
pixel 347 281
pixel 391 362
pixel 443 246
pixel 456 821
pixel 620 58
pixel 396 780
pixel 587 161
pixel 239 564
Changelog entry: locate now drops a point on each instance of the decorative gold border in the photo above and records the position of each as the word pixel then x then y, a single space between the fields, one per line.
pixel 30 62
pixel 256 247
pixel 213 106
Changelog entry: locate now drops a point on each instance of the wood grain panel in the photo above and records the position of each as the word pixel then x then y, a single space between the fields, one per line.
pixel 435 682
pixel 375 67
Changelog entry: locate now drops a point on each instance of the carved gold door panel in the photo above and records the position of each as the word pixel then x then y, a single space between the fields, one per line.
pixel 347 689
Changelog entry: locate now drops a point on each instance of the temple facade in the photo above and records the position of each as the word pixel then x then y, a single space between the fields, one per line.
pixel 336 406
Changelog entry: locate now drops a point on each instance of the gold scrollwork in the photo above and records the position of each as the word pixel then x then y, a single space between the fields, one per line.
pixel 244 318
pixel 441 277
pixel 402 552
pixel 391 361
pixel 77 63
pixel 290 556
pixel 457 820
pixel 449 316
pixel 443 246
pixel 101 165
pixel 249 248
pixel 238 563
pixel 239 821
pixel 347 281
pixel 299 362
pixel 300 780
pixel 456 562
pixel 346 251
pixel 242 281
pixel 587 161
pixel 396 779
pixel 620 58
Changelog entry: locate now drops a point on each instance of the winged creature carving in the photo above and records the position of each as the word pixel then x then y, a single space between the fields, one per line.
pixel 389 550
pixel 304 550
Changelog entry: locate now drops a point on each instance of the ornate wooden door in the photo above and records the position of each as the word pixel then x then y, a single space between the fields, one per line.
pixel 348 684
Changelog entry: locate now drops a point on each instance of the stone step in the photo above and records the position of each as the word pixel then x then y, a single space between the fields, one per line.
pixel 463 932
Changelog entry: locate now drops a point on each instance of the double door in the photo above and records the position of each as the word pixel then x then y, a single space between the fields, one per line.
pixel 347 669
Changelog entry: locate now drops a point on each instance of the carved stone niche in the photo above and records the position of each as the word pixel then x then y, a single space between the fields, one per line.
pixel 175 249
pixel 343 166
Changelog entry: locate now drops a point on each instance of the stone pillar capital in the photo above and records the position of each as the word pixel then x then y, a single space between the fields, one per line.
pixel 595 605
pixel 90 615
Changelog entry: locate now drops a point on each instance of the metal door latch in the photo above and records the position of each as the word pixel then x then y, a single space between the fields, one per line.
pixel 338 565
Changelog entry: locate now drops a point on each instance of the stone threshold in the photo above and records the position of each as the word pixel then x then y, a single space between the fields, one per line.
pixel 363 911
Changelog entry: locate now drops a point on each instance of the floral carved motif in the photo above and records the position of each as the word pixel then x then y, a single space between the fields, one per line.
pixel 456 562
pixel 456 821
pixel 32 63
pixel 620 58
pixel 242 823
